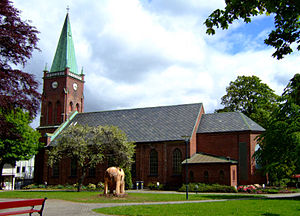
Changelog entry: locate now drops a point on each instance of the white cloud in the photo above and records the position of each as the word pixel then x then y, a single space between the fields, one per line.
pixel 140 53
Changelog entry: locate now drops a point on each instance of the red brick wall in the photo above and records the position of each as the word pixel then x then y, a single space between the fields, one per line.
pixel 64 93
pixel 65 83
pixel 165 162
pixel 213 173
pixel 193 140
pixel 227 145
pixel 221 144
pixel 65 174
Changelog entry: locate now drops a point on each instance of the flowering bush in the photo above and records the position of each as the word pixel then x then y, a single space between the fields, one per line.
pixel 248 188
pixel 200 187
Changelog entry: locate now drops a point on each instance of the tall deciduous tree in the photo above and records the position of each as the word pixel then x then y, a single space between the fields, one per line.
pixel 20 142
pixel 18 39
pixel 286 20
pixel 279 152
pixel 247 94
pixel 19 97
pixel 90 146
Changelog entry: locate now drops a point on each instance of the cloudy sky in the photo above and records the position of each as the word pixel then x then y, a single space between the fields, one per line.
pixel 141 53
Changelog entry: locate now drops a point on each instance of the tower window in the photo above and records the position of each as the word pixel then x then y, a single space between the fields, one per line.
pixel 77 107
pixel 58 112
pixel 71 106
pixel 49 113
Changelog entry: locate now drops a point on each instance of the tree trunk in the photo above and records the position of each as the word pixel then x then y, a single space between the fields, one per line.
pixel 80 180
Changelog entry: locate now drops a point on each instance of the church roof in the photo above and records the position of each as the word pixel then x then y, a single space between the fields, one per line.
pixel 203 158
pixel 227 122
pixel 65 51
pixel 153 124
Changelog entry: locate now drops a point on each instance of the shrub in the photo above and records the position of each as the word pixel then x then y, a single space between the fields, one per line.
pixel 31 186
pixel 60 186
pixel 153 186
pixel 100 185
pixel 128 180
pixel 200 187
pixel 91 186
pixel 69 187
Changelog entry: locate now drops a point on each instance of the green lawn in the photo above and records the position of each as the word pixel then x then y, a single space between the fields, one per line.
pixel 96 197
pixel 263 207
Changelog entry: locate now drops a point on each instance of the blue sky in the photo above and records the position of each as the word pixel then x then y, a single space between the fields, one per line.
pixel 152 53
pixel 250 33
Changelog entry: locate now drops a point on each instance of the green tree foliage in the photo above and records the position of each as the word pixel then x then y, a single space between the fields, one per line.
pixel 19 96
pixel 128 178
pixel 18 39
pixel 286 20
pixel 279 152
pixel 247 94
pixel 20 142
pixel 90 146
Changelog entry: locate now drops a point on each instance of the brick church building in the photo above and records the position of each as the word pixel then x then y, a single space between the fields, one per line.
pixel 216 148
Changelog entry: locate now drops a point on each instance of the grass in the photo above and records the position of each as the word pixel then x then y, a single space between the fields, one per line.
pixel 264 207
pixel 96 197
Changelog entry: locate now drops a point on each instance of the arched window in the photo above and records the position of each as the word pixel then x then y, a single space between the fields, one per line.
pixel 55 170
pixel 191 176
pixel 71 107
pixel 177 157
pixel 221 176
pixel 73 167
pixel 50 113
pixel 92 172
pixel 58 112
pixel 77 107
pixel 206 176
pixel 153 162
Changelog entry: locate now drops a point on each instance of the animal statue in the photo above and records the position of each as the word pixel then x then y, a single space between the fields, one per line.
pixel 114 179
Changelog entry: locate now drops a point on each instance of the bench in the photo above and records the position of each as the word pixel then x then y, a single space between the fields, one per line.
pixel 23 203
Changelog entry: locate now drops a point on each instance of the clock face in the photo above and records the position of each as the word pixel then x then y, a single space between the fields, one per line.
pixel 54 84
pixel 75 86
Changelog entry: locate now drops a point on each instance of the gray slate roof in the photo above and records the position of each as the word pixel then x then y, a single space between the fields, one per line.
pixel 227 122
pixel 165 123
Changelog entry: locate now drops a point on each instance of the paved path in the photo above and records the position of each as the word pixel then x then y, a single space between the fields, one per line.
pixel 66 208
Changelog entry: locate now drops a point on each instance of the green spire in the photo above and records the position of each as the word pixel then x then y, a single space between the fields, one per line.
pixel 65 52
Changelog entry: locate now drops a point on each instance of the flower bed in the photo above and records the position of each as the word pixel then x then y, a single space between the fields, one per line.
pixel 258 189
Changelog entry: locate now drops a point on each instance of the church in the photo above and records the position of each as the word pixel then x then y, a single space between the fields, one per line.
pixel 172 142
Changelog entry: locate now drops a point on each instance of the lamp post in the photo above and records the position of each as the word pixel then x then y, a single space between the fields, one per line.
pixel 186 140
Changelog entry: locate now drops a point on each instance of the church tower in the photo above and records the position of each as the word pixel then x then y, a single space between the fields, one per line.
pixel 63 84
pixel 62 94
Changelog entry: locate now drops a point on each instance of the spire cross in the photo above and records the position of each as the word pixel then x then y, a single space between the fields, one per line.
pixel 68 9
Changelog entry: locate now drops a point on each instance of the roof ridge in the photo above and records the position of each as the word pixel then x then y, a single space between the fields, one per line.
pixel 139 108
pixel 245 121
pixel 221 113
